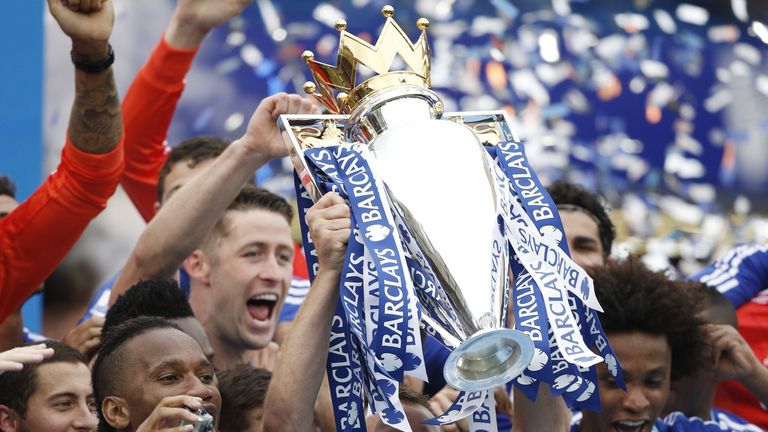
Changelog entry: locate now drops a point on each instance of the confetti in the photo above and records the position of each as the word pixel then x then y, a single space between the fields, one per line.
pixel 692 14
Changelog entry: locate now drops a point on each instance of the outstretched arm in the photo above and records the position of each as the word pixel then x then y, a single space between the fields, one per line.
pixel 290 401
pixel 151 100
pixel 39 233
pixel 184 221
pixel 548 413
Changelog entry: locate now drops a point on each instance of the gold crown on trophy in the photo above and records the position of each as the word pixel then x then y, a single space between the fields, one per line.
pixel 378 58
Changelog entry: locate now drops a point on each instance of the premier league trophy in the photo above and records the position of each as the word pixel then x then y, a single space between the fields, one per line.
pixel 440 220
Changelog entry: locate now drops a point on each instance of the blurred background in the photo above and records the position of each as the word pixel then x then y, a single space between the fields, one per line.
pixel 658 105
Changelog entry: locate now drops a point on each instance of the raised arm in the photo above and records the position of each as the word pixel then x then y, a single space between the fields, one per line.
pixel 548 413
pixel 151 100
pixel 184 221
pixel 290 401
pixel 734 360
pixel 39 233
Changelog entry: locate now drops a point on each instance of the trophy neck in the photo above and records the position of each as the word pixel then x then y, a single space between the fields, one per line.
pixel 390 109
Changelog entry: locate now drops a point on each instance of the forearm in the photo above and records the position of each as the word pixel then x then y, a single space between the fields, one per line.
pixel 290 401
pixel 185 220
pixel 548 413
pixel 39 233
pixel 183 32
pixel 758 384
pixel 95 125
pixel 324 416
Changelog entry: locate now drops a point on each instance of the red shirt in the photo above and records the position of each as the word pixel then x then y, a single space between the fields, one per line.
pixel 148 108
pixel 37 235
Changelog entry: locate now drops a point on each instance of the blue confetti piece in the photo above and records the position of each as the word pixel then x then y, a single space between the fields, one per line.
pixel 265 68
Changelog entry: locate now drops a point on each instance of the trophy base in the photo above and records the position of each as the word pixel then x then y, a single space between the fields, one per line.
pixel 488 359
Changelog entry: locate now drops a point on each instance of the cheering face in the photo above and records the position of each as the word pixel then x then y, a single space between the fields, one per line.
pixel 166 362
pixel 249 275
pixel 646 360
pixel 583 238
pixel 63 400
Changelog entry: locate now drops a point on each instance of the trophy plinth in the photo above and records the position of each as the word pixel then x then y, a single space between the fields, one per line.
pixel 488 359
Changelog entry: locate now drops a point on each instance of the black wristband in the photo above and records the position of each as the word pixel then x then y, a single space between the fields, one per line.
pixel 94 66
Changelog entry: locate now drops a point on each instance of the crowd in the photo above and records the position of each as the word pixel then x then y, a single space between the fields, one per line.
pixel 195 325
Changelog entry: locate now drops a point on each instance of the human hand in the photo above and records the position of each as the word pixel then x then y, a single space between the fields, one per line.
pixel 170 412
pixel 84 6
pixel 209 13
pixel 86 336
pixel 84 20
pixel 15 359
pixel 201 16
pixel 266 358
pixel 732 358
pixel 443 400
pixel 329 225
pixel 262 135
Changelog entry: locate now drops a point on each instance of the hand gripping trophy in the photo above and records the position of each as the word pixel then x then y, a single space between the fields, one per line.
pixel 446 211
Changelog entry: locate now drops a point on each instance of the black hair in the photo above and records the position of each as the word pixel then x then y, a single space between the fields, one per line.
pixel 192 151
pixel 717 308
pixel 563 192
pixel 151 297
pixel 106 369
pixel 251 198
pixel 7 186
pixel 243 388
pixel 636 299
pixel 16 387
pixel 407 395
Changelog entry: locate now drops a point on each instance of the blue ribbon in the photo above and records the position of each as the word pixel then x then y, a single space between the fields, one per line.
pixel 578 387
pixel 394 348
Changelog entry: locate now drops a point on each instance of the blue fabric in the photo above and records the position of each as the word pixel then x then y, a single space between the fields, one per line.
pixel 100 300
pixel 739 274
pixel 678 422
pixel 435 355
pixel 30 336
pixel 734 422
pixel 297 292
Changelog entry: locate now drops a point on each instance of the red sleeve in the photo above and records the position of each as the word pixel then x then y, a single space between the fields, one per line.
pixel 148 108
pixel 37 235
pixel 299 262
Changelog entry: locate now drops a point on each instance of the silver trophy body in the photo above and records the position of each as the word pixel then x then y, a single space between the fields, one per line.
pixel 441 181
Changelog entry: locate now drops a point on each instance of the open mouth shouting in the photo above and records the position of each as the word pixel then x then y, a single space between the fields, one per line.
pixel 631 425
pixel 262 307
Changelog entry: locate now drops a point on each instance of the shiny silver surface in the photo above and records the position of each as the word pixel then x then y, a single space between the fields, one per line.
pixel 488 359
pixel 439 177
pixel 438 174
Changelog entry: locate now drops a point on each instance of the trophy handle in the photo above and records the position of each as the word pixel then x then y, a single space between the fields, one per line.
pixel 301 132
